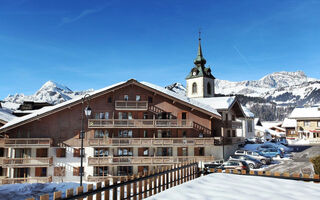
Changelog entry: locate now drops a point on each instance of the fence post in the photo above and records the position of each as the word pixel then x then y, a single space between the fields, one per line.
pixel 69 193
pixel 134 187
pixel 140 187
pixel 188 171
pixel 128 188
pixel 154 183
pixel 176 175
pixel 121 188
pixel 159 181
pixel 145 182
pixel 150 184
pixel 167 177
pixel 115 190
pixel 90 188
pixel 163 179
pixel 57 195
pixel 106 192
pixel 98 186
pixel 179 174
pixel 80 191
pixel 44 197
pixel 171 174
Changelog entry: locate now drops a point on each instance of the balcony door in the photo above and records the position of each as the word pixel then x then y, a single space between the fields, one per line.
pixel 22 153
pixel 21 172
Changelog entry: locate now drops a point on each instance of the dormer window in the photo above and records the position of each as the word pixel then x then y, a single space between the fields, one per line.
pixel 126 97
pixel 194 88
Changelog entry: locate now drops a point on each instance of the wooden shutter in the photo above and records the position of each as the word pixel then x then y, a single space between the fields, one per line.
pixel 76 171
pixel 76 152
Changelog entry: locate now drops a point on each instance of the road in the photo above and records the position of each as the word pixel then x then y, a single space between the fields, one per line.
pixel 300 162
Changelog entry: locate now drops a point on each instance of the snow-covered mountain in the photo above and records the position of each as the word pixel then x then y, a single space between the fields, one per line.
pixel 263 86
pixel 50 92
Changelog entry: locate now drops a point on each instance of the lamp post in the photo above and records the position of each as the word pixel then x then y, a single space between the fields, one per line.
pixel 87 112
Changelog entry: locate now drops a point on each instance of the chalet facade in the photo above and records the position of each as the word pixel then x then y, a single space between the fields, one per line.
pixel 134 127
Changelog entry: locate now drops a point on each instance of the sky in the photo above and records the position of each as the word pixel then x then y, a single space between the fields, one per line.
pixel 93 44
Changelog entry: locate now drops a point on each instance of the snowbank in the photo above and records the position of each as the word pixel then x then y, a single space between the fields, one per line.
pixel 228 186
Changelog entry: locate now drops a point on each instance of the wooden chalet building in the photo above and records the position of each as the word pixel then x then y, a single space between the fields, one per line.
pixel 134 127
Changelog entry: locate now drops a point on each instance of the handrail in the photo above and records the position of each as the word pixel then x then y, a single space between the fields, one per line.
pixel 28 141
pixel 34 161
pixel 131 105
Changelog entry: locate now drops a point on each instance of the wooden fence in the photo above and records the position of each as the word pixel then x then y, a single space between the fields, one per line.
pixel 133 187
pixel 285 175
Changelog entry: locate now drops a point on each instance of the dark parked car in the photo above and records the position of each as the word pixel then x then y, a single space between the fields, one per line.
pixel 235 164
pixel 211 167
pixel 253 163
pixel 272 153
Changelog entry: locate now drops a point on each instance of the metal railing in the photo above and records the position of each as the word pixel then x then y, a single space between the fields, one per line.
pixel 139 123
pixel 131 105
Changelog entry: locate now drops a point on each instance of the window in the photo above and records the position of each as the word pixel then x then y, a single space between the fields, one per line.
pixel 150 99
pixel 233 118
pixel 138 97
pixel 146 152
pixel 145 115
pixel 40 171
pixel 249 125
pixel 100 171
pixel 126 97
pixel 125 152
pixel 61 152
pixel 120 115
pixel 184 115
pixel 77 171
pixel 59 171
pixel 101 152
pixel 184 151
pixel 101 133
pixel 145 133
pixel 109 99
pixel 194 88
pixel 184 134
pixel 201 135
pixel 106 115
pixel 233 133
pixel 101 115
pixel 228 133
pixel 318 123
pixel 125 133
pixel 129 115
pixel 306 123
pixel 76 152
pixel 209 88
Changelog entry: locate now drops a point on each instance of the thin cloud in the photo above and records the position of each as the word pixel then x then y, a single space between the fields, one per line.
pixel 67 20
pixel 242 56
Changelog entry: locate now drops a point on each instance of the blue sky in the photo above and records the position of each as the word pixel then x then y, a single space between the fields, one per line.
pixel 92 44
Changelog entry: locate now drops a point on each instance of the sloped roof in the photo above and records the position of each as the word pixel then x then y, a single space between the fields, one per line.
pixel 289 123
pixel 6 116
pixel 247 112
pixel 219 103
pixel 305 112
pixel 52 109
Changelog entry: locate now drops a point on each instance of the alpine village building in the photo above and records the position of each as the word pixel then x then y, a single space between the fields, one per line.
pixel 134 127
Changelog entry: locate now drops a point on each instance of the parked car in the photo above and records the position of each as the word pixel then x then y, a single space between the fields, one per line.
pixel 235 164
pixel 211 167
pixel 283 141
pixel 272 153
pixel 266 160
pixel 253 163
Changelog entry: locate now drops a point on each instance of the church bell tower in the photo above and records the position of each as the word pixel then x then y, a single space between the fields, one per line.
pixel 200 81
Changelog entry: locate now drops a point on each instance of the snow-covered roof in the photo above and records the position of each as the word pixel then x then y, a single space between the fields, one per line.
pixel 247 112
pixel 271 124
pixel 289 123
pixel 219 103
pixel 305 112
pixel 45 110
pixel 6 116
pixel 182 98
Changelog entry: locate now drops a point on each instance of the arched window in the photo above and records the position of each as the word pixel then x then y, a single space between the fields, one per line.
pixel 208 88
pixel 194 88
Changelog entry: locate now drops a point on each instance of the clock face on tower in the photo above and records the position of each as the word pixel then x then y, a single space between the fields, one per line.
pixel 194 73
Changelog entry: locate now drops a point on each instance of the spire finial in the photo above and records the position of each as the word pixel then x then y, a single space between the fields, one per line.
pixel 199 34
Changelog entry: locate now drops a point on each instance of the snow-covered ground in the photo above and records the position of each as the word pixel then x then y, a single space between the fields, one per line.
pixel 228 186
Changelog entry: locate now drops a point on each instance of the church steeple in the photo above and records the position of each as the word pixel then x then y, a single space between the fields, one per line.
pixel 200 81
pixel 200 59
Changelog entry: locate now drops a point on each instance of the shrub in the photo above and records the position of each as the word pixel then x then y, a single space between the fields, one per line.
pixel 316 164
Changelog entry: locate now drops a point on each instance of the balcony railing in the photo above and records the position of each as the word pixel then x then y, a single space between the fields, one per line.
pixel 228 140
pixel 232 124
pixel 149 142
pixel 27 180
pixel 131 105
pixel 139 123
pixel 27 142
pixel 27 162
pixel 145 160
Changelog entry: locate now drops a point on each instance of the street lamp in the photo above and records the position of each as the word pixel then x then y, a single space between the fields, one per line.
pixel 87 112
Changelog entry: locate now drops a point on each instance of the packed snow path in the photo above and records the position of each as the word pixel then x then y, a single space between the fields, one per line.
pixel 228 186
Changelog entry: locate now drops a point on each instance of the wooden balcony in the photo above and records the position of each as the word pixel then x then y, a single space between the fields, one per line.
pixel 27 142
pixel 139 123
pixel 150 142
pixel 232 124
pixel 228 140
pixel 27 180
pixel 131 105
pixel 145 160
pixel 27 162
